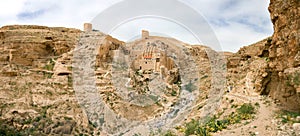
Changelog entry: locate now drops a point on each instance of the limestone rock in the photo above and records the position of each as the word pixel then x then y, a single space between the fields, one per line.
pixel 36 72
pixel 272 64
pixel 255 78
pixel 173 76
pixel 32 45
pixel 284 51
pixel 296 127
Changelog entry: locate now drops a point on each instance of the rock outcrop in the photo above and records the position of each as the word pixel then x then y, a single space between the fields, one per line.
pixel 36 84
pixel 248 68
pixel 271 66
pixel 37 95
pixel 284 53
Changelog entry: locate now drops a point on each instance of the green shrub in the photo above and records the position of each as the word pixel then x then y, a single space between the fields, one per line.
pixel 246 108
pixel 70 81
pixel 7 129
pixel 47 75
pixel 169 133
pixel 244 112
pixel 296 79
pixel 173 93
pixel 215 125
pixel 50 65
pixel 288 116
pixel 202 131
pixel 190 87
pixel 191 127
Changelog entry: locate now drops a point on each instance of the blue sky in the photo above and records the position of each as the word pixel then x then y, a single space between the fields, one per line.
pixel 236 23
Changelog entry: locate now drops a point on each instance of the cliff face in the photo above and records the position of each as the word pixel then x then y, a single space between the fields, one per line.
pixel 284 53
pixel 271 66
pixel 37 96
pixel 32 46
pixel 284 50
pixel 36 92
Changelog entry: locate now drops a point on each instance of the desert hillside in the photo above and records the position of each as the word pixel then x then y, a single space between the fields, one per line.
pixel 64 81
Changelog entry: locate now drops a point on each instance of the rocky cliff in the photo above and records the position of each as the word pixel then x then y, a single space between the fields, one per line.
pixel 271 66
pixel 36 92
pixel 284 52
pixel 36 87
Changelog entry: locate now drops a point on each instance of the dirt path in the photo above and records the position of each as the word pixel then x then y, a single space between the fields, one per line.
pixel 263 124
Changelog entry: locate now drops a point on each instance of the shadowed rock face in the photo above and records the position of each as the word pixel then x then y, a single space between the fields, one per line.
pixel 284 53
pixel 271 66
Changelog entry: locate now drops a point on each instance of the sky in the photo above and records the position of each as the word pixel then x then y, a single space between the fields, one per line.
pixel 235 23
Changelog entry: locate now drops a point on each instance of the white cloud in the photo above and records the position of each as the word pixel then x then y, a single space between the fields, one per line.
pixel 236 35
pixel 8 11
pixel 67 13
pixel 156 26
pixel 236 23
pixel 10 8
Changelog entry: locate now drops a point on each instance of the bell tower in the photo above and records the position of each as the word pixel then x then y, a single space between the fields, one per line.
pixel 87 27
pixel 145 34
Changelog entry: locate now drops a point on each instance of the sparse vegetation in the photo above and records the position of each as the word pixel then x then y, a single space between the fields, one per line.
pixel 267 59
pixel 267 102
pixel 296 79
pixel 169 133
pixel 246 108
pixel 50 65
pixel 191 127
pixel 244 112
pixel 47 75
pixel 257 104
pixel 49 92
pixel 70 81
pixel 173 93
pixel 137 134
pixel 293 79
pixel 204 77
pixel 70 68
pixel 8 130
pixel 12 83
pixel 190 87
pixel 33 104
pixel 288 117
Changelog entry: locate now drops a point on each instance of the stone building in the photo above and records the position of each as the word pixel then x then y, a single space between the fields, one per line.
pixel 87 27
pixel 153 57
pixel 150 59
pixel 145 34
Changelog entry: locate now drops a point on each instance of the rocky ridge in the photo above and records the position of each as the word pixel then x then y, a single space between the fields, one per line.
pixel 38 98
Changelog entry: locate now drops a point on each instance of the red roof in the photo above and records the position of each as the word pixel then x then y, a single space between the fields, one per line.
pixel 148 56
